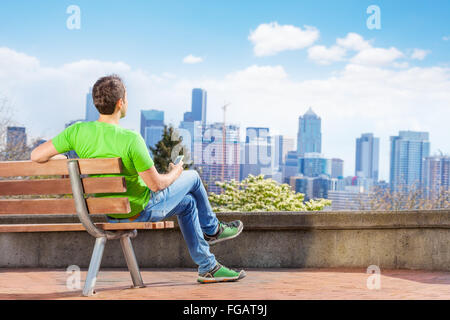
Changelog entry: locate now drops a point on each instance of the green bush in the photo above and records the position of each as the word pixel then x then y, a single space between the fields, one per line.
pixel 258 194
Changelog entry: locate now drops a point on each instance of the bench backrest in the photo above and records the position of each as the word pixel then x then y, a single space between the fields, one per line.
pixel 59 186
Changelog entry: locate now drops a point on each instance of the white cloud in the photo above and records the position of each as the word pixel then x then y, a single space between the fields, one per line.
pixel 358 98
pixel 377 56
pixel 419 54
pixel 446 38
pixel 353 41
pixel 403 64
pixel 190 59
pixel 271 38
pixel 324 55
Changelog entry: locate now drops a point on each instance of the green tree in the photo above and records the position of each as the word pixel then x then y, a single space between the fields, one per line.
pixel 258 194
pixel 171 142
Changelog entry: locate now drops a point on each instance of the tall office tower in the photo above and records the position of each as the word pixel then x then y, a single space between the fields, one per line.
pixel 277 152
pixel 288 145
pixel 348 199
pixel 217 161
pixel 198 111
pixel 408 150
pixel 309 137
pixel 195 116
pixel 436 175
pixel 337 168
pixel 152 126
pixel 311 187
pixel 257 153
pixel 92 113
pixel 313 164
pixel 187 130
pixel 16 138
pixel 290 167
pixel 367 156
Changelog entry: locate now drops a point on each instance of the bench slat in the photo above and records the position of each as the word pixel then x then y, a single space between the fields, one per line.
pixel 63 206
pixel 79 226
pixel 59 167
pixel 61 186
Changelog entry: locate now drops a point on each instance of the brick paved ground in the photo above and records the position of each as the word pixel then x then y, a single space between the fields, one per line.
pixel 259 284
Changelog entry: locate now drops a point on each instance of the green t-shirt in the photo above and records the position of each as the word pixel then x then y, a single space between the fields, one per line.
pixel 96 139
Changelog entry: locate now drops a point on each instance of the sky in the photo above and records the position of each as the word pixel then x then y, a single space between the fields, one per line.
pixel 271 60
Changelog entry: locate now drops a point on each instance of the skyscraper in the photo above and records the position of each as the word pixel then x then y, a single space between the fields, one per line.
pixel 309 137
pixel 187 130
pixel 290 167
pixel 436 175
pixel 257 153
pixel 195 116
pixel 314 164
pixel 288 145
pixel 198 111
pixel 337 168
pixel 408 150
pixel 278 152
pixel 217 161
pixel 152 126
pixel 367 156
pixel 311 187
pixel 92 113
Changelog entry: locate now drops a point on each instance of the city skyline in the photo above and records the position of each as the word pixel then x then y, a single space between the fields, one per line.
pixel 311 173
pixel 153 120
pixel 356 79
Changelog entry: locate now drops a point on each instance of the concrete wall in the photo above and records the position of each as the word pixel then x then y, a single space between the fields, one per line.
pixel 404 239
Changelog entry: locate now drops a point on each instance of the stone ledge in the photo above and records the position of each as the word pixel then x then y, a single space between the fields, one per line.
pixel 403 239
pixel 320 220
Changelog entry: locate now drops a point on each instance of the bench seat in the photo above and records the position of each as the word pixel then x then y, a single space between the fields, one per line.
pixel 52 227
pixel 71 180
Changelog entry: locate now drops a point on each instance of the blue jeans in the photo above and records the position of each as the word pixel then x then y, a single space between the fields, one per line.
pixel 186 198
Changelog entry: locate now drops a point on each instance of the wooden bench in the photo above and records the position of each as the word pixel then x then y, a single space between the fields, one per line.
pixel 81 205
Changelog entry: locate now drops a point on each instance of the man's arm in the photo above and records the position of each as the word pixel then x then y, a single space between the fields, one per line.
pixel 156 181
pixel 45 152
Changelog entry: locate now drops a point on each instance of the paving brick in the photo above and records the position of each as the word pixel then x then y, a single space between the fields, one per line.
pixel 286 284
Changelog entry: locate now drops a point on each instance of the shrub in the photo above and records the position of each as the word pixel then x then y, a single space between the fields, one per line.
pixel 258 194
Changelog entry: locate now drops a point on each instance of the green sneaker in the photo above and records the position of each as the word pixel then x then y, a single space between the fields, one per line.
pixel 227 231
pixel 220 274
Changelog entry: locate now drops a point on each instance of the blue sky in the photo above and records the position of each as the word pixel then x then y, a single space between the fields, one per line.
pixel 397 79
pixel 154 34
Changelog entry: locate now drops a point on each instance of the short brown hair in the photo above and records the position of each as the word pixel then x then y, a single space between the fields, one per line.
pixel 106 92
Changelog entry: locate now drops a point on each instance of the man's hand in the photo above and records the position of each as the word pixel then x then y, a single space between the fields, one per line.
pixel 58 156
pixel 178 166
pixel 156 181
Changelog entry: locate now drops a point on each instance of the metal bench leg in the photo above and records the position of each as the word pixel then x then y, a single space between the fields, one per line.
pixel 94 266
pixel 132 263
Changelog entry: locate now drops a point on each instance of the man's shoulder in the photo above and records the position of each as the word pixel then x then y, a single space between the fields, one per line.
pixel 131 133
pixel 124 133
pixel 130 136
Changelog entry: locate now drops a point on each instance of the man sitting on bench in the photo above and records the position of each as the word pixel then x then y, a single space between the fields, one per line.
pixel 153 196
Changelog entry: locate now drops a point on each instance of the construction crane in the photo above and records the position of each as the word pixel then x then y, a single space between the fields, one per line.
pixel 224 136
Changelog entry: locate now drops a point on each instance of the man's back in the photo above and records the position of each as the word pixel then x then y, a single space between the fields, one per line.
pixel 97 139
